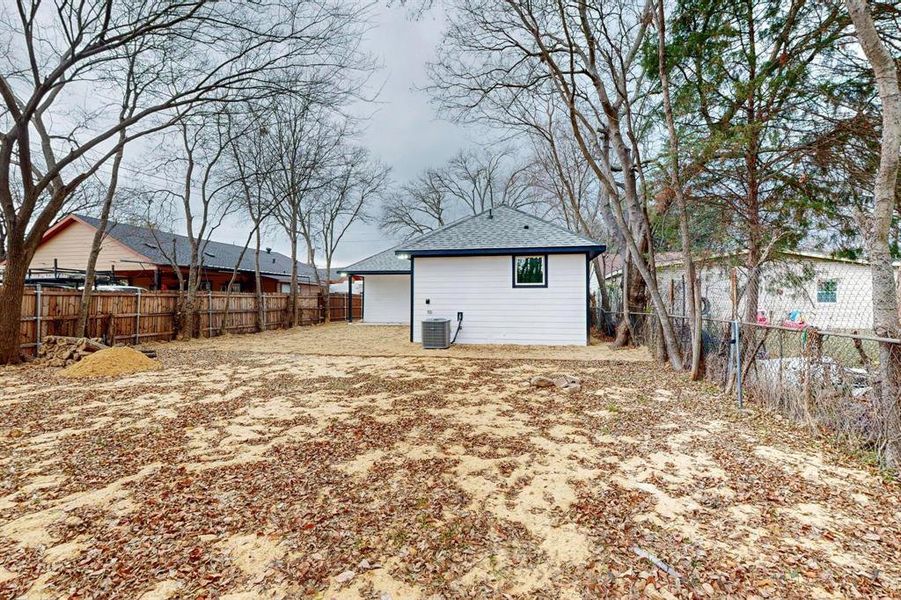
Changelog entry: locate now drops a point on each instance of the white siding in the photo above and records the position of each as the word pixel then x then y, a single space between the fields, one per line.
pixel 72 246
pixel 788 285
pixel 494 312
pixel 386 299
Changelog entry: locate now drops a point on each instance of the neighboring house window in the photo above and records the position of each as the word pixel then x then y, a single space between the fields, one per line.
pixel 827 291
pixel 286 288
pixel 530 271
pixel 236 287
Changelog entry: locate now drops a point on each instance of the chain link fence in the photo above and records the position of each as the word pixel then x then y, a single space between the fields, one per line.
pixel 829 381
pixel 808 353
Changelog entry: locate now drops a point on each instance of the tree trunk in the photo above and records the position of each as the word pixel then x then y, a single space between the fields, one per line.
pixel 258 284
pixel 637 244
pixel 11 292
pixel 327 292
pixel 635 299
pixel 91 269
pixel 223 326
pixel 295 321
pixel 752 200
pixel 324 315
pixel 752 263
pixel 189 306
pixel 885 307
pixel 600 276
pixel 694 309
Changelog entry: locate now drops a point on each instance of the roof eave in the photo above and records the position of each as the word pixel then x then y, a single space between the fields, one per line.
pixel 372 272
pixel 591 250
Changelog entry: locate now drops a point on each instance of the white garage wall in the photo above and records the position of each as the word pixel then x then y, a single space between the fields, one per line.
pixel 386 299
pixel 494 312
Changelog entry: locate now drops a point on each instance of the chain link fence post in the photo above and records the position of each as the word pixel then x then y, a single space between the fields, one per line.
pixel 736 339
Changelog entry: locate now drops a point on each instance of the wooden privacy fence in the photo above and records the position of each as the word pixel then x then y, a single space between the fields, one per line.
pixel 132 318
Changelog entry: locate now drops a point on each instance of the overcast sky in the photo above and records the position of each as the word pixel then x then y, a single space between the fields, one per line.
pixel 404 131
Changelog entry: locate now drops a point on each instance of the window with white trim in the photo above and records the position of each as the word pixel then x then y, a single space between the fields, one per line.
pixel 530 271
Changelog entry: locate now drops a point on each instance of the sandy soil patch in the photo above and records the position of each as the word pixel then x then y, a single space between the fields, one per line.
pixel 273 466
pixel 341 338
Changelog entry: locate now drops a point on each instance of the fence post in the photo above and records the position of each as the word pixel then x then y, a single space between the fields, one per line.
pixel 349 303
pixel 209 313
pixel 138 318
pixel 37 318
pixel 781 360
pixel 736 339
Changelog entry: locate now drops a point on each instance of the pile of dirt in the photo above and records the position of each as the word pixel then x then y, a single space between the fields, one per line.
pixel 62 351
pixel 111 362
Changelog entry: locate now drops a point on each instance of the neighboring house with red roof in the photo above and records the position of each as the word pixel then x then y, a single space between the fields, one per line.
pixel 147 258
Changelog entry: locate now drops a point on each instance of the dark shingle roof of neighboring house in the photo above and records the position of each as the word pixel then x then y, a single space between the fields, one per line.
pixel 385 262
pixel 501 230
pixel 217 255
pixel 332 274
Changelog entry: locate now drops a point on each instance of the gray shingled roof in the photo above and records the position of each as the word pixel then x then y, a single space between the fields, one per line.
pixel 333 274
pixel 383 262
pixel 499 231
pixel 218 255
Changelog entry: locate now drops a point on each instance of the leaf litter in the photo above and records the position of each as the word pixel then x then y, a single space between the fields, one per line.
pixel 258 474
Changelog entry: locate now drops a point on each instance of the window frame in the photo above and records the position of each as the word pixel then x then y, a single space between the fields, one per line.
pixel 834 292
pixel 545 261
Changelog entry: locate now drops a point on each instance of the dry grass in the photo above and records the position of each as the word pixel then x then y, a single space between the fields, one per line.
pixel 359 339
pixel 279 472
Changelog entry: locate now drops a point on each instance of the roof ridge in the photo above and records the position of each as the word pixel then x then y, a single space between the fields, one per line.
pixel 552 224
pixel 514 215
pixel 443 228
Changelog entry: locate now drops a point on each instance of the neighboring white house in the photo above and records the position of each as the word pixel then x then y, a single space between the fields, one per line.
pixel 515 278
pixel 813 287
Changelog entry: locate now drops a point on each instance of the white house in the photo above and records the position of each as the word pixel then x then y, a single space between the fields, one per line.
pixel 385 279
pixel 513 279
pixel 814 287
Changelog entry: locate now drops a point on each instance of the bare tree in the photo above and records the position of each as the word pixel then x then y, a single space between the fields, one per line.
pixel 206 197
pixel 418 207
pixel 562 179
pixel 214 52
pixel 470 183
pixel 304 143
pixel 354 184
pixel 253 169
pixel 675 173
pixel 878 225
pixel 136 80
pixel 588 54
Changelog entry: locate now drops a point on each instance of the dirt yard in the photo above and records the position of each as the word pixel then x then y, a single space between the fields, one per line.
pixel 332 463
pixel 358 339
